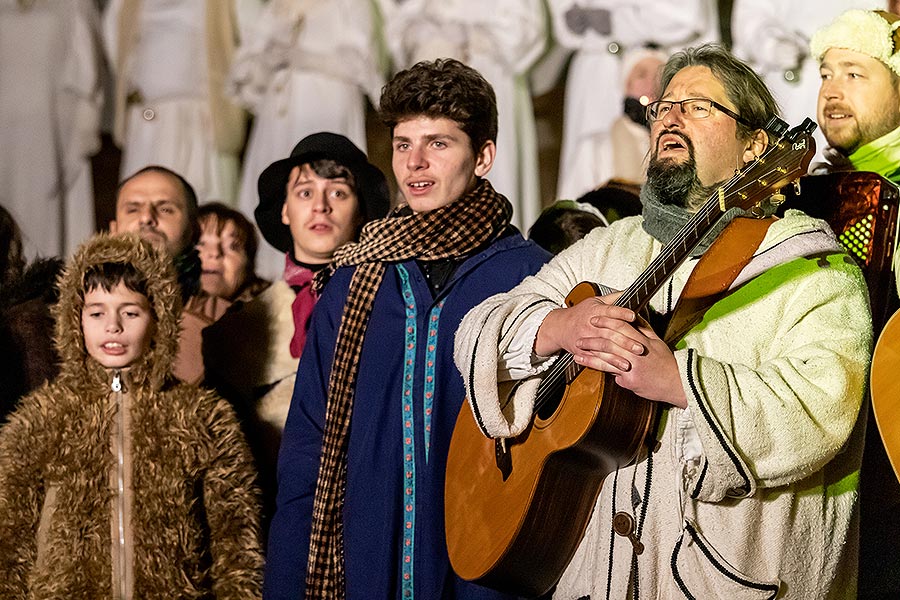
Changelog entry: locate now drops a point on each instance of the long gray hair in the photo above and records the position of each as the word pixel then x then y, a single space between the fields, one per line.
pixel 743 86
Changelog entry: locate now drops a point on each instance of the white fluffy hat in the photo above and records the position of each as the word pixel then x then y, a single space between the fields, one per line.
pixel 870 32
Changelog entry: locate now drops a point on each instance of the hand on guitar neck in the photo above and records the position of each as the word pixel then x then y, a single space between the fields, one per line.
pixel 612 339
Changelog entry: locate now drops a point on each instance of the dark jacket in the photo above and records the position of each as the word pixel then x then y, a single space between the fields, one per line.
pixel 26 332
pixel 189 511
pixel 408 396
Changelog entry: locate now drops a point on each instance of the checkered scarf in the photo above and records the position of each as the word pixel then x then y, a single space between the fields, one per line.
pixel 450 231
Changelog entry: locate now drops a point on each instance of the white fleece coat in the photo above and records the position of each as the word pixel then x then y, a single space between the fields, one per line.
pixel 752 492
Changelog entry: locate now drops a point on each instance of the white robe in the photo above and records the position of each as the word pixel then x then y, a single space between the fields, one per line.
pixel 764 462
pixel 502 40
pixel 594 94
pixel 773 36
pixel 306 66
pixel 50 102
pixel 172 125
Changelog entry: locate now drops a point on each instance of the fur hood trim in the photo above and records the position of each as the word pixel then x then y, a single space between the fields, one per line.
pixel 164 297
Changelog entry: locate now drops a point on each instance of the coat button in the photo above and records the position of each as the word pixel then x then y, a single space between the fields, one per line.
pixel 149 114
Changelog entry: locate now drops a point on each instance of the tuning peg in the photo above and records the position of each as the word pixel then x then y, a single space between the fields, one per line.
pixel 776 126
pixel 807 127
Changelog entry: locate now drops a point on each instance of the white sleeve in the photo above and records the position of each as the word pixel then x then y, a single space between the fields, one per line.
pixel 632 22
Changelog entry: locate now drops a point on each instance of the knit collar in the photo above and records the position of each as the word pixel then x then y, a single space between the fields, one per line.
pixel 663 221
pixel 881 156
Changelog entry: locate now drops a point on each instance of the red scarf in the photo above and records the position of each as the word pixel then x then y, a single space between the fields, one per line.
pixel 300 279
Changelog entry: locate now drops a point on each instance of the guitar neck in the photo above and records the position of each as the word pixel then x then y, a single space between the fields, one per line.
pixel 674 253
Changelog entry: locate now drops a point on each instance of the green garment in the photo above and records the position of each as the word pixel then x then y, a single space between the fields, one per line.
pixel 881 156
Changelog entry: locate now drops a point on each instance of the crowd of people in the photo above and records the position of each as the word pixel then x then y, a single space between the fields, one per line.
pixel 246 390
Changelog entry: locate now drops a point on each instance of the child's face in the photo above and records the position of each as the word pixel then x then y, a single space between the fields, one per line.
pixel 118 326
pixel 321 213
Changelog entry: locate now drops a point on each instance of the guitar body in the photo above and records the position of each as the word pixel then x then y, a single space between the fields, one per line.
pixel 505 531
pixel 884 386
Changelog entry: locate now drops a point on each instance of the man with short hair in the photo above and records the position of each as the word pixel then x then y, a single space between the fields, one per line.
pixel 160 205
pixel 751 490
pixel 859 98
pixel 360 510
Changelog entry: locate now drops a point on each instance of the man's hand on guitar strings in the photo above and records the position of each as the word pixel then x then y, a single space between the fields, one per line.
pixel 563 327
pixel 612 339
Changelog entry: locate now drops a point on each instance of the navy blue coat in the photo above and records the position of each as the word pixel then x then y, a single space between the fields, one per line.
pixel 408 396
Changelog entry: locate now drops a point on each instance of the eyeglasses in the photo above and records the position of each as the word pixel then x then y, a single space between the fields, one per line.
pixel 691 108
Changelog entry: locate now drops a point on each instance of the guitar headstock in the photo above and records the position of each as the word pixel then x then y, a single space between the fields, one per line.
pixel 757 184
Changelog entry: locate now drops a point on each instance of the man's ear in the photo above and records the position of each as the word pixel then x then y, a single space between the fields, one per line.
pixel 113 227
pixel 757 144
pixel 484 160
pixel 284 215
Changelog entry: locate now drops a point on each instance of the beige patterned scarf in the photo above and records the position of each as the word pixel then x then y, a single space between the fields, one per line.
pixel 454 230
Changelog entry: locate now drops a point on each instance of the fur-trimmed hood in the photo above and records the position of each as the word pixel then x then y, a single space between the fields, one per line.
pixel 164 297
pixel 185 499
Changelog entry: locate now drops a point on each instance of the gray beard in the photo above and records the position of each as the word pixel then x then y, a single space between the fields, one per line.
pixel 677 183
pixel 664 219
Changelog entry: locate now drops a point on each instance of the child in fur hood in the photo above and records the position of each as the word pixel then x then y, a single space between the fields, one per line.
pixel 116 480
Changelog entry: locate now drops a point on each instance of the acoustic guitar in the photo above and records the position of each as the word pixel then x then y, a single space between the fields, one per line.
pixel 884 386
pixel 516 509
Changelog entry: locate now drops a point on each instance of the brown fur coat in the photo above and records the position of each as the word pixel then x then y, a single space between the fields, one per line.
pixel 194 514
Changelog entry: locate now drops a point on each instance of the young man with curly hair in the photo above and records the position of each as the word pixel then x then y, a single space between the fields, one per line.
pixel 360 510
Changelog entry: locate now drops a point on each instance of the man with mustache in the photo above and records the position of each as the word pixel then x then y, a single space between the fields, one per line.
pixel 859 114
pixel 859 98
pixel 751 490
pixel 159 205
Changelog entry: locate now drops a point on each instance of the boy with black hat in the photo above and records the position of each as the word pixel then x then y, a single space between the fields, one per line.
pixel 309 204
pixel 361 467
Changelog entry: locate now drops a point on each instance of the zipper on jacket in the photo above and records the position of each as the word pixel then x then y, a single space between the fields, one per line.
pixel 120 484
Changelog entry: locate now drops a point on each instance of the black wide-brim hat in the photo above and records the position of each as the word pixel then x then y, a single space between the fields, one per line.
pixel 371 186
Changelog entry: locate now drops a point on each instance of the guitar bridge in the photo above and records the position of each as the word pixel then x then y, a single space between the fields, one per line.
pixel 503 458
